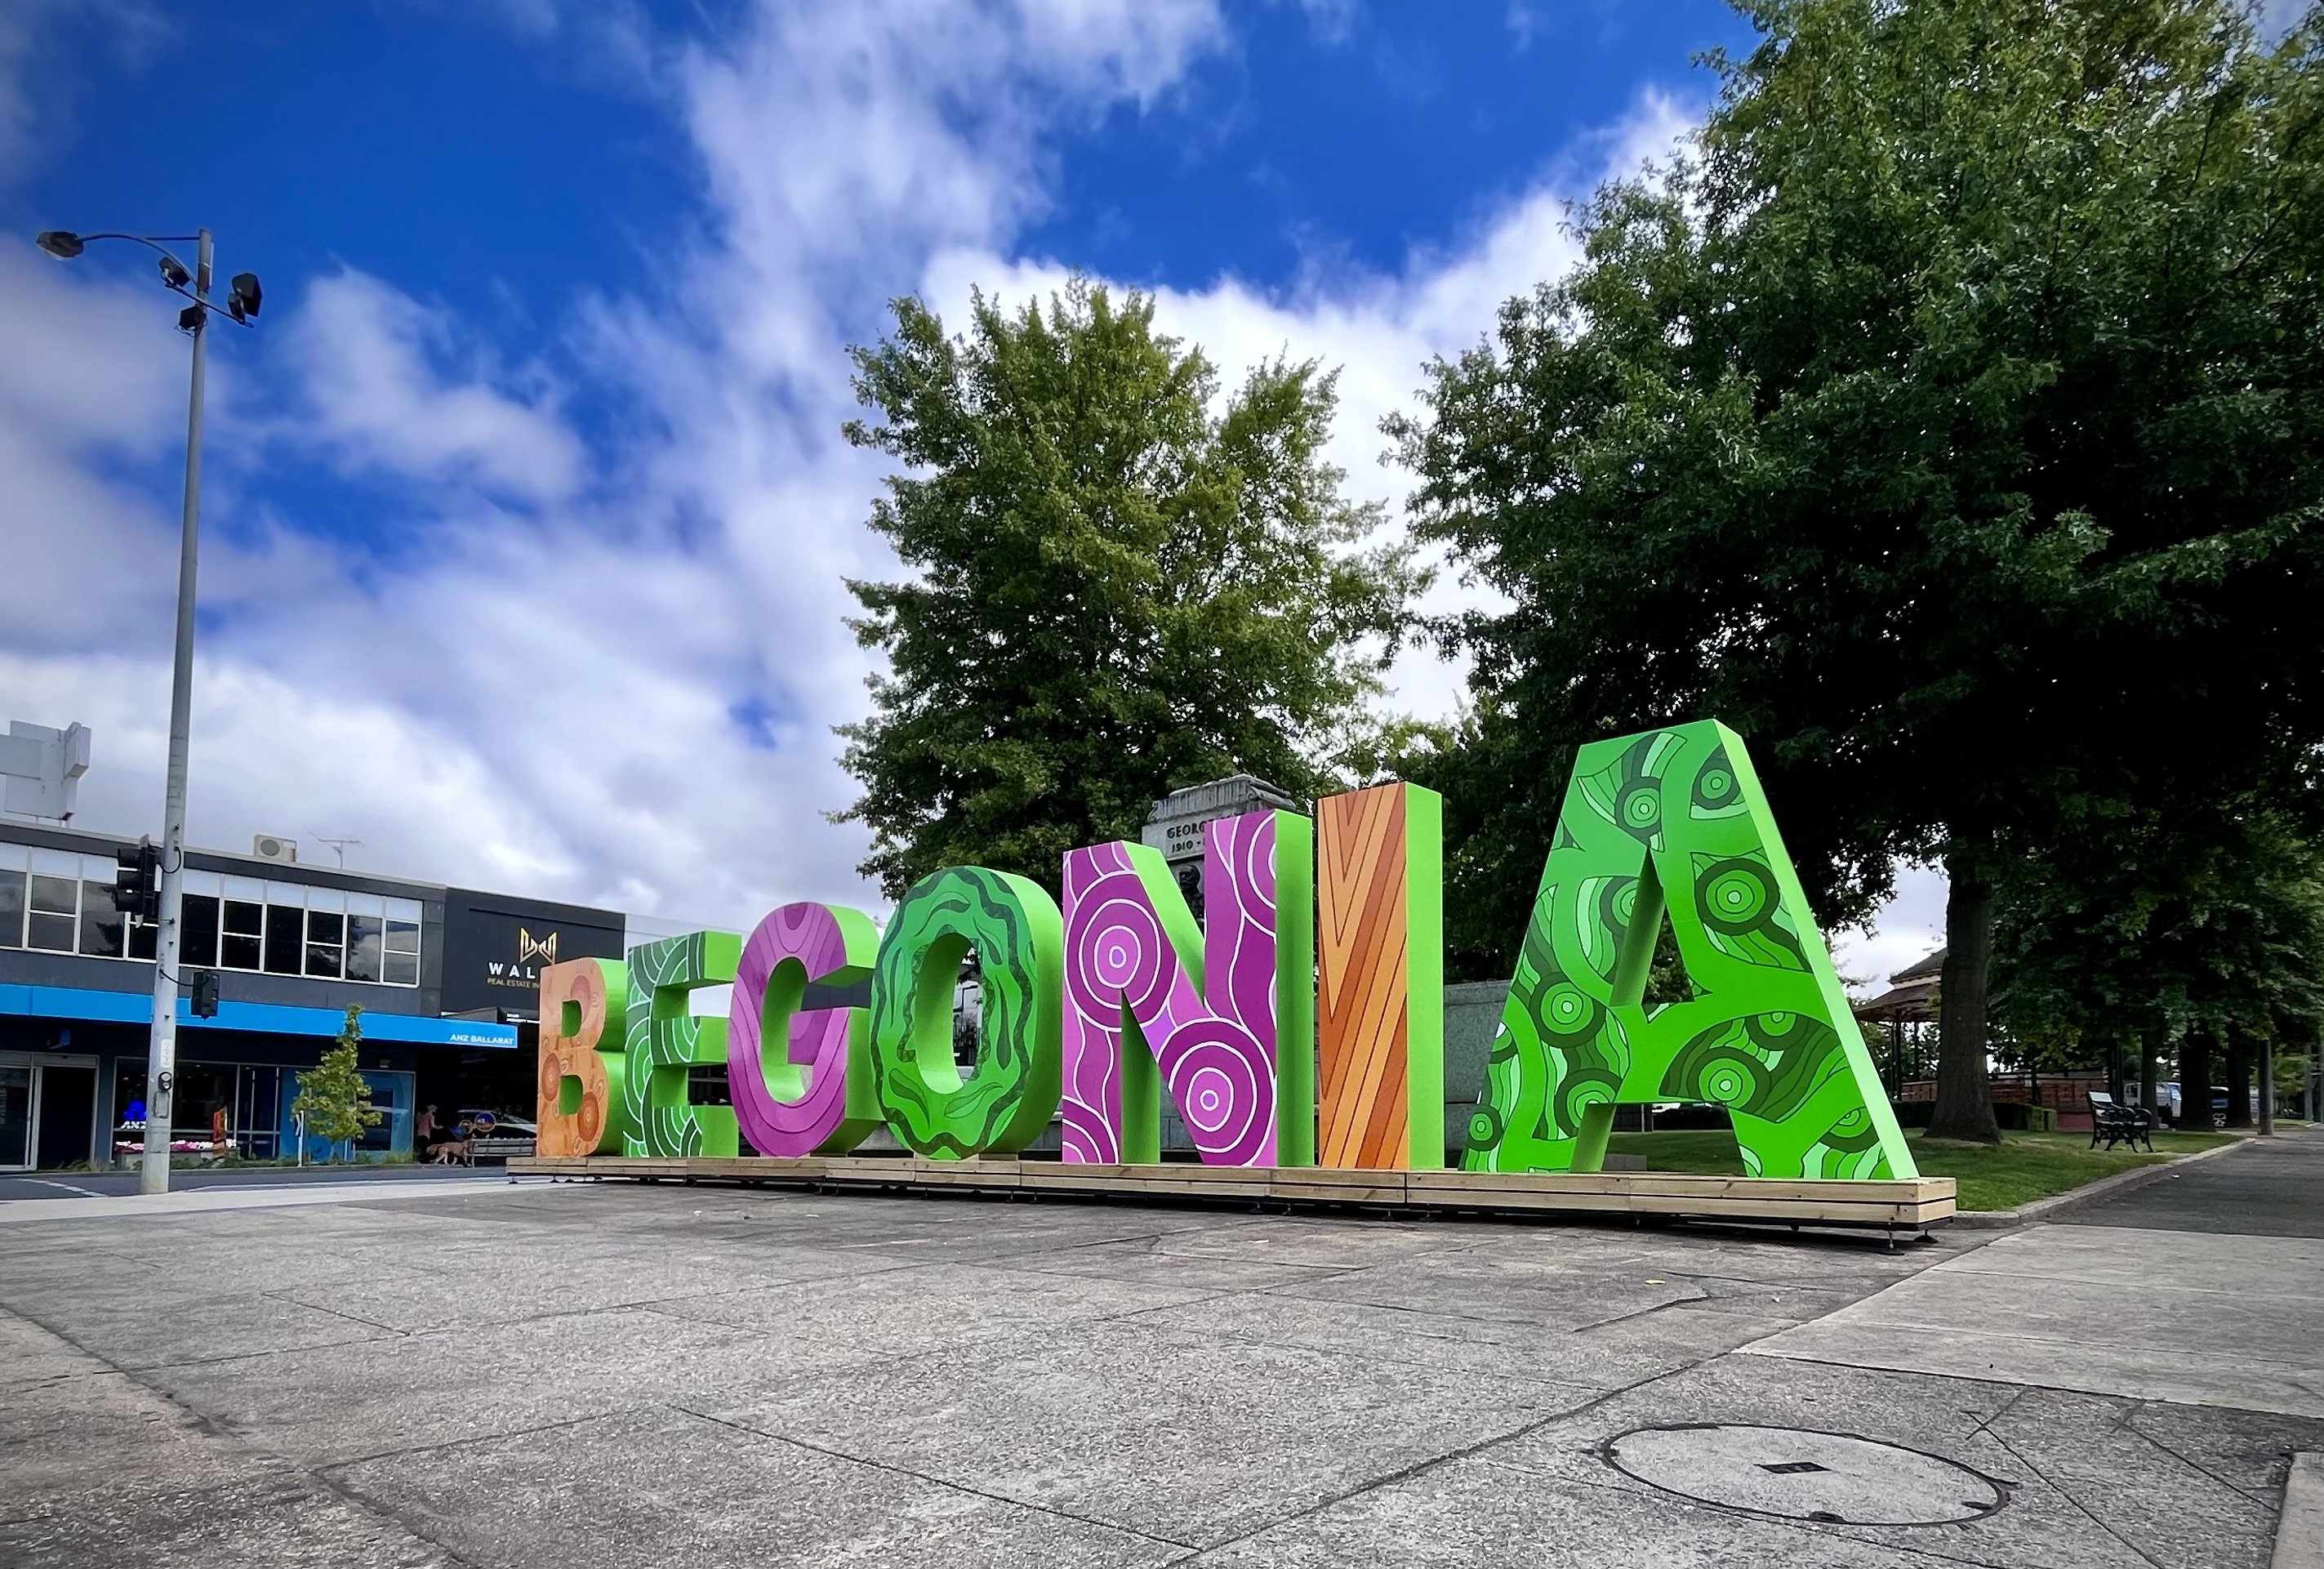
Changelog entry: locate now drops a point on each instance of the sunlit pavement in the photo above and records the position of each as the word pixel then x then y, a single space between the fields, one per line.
pixel 612 1374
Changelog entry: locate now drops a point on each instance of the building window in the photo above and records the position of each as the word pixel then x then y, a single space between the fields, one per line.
pixel 245 930
pixel 400 955
pixel 366 935
pixel 62 903
pixel 286 936
pixel 54 914
pixel 12 907
pixel 327 933
pixel 198 943
pixel 101 925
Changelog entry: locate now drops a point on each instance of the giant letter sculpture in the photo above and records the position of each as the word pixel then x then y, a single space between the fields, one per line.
pixel 1004 1103
pixel 815 1091
pixel 1379 1029
pixel 585 1007
pixel 665 1042
pixel 1137 1008
pixel 1767 1034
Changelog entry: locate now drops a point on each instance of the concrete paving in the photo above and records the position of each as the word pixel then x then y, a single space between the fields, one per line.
pixel 58 1186
pixel 2154 1296
pixel 618 1374
pixel 2266 1188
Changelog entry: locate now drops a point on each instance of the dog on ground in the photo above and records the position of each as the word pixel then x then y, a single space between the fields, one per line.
pixel 451 1151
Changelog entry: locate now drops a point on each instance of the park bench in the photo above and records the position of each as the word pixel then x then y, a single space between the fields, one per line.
pixel 2119 1124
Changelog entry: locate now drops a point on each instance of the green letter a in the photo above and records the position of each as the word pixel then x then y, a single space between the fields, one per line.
pixel 1768 1033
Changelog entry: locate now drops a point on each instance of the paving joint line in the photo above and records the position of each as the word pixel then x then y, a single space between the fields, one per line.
pixel 211 1429
pixel 1638 1312
pixel 945 1482
pixel 401 1451
pixel 2129 1423
pixel 2005 1407
pixel 289 1301
pixel 1450 1457
pixel 2068 1494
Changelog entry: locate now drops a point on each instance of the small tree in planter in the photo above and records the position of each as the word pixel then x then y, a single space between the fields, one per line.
pixel 334 1102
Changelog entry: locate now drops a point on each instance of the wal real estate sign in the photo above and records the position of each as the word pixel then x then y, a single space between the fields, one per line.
pixel 1328 931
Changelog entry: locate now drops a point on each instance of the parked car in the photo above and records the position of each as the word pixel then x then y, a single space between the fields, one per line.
pixel 2170 1100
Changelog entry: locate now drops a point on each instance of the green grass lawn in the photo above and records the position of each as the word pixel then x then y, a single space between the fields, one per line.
pixel 2023 1168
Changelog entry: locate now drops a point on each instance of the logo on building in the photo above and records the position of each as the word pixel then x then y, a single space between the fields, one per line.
pixel 529 949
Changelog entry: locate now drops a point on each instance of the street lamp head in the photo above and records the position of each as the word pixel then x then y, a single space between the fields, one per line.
pixel 61 243
pixel 242 296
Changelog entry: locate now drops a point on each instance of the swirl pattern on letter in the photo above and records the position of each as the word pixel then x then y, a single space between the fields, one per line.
pixel 806 1110
pixel 1214 1044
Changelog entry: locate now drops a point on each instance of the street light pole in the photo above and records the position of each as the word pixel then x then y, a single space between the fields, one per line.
pixel 161 1060
pixel 241 303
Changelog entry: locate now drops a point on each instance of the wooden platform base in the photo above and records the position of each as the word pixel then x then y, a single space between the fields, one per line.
pixel 1893 1207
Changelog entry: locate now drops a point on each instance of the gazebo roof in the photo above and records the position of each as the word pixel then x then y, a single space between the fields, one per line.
pixel 1911 992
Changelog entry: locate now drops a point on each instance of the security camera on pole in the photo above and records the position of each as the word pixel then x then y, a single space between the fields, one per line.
pixel 242 304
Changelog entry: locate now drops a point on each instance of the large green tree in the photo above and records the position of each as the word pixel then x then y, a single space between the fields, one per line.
pixel 1124 583
pixel 2154 935
pixel 1947 421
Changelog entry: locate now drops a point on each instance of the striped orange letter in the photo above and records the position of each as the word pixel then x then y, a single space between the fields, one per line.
pixel 1379 1002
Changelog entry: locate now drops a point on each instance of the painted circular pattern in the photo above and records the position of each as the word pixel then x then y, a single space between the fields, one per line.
pixel 1014 928
pixel 1566 1010
pixel 1735 895
pixel 1580 1093
pixel 1118 942
pixel 1639 806
pixel 1218 1081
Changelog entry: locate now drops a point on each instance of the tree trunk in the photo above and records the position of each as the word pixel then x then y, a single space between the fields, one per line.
pixel 2150 1068
pixel 1964 1108
pixel 2195 1080
pixel 2239 1080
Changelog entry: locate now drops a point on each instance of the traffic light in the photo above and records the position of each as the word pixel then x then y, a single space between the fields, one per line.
pixel 137 881
pixel 206 990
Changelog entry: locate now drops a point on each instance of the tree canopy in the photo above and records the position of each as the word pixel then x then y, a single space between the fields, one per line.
pixel 1948 420
pixel 2144 934
pixel 1123 584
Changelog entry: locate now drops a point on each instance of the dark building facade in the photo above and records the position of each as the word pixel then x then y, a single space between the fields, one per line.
pixel 444 977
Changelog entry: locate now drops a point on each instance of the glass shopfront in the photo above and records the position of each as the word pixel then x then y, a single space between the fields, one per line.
pixel 15 1118
pixel 392 1095
pixel 256 1101
pixel 47 1107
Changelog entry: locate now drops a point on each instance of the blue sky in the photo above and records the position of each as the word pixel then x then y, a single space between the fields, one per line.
pixel 526 503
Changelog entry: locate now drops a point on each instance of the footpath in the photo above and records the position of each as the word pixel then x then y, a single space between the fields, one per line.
pixel 543 1375
pixel 2202 1290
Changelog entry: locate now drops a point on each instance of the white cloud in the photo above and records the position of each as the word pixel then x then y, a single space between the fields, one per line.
pixel 367 360
pixel 1378 331
pixel 94 388
pixel 610 675
pixel 1903 932
pixel 604 677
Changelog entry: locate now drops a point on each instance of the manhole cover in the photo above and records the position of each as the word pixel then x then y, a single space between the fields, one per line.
pixel 1804 1475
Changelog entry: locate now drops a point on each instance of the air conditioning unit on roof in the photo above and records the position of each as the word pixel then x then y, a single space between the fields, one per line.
pixel 273 847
